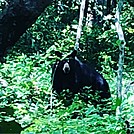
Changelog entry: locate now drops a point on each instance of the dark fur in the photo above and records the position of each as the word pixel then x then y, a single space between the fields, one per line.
pixel 79 76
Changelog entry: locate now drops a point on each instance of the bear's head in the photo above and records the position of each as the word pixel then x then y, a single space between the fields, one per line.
pixel 66 63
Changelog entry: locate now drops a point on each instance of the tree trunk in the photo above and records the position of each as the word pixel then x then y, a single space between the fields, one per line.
pixel 122 44
pixel 16 17
pixel 80 24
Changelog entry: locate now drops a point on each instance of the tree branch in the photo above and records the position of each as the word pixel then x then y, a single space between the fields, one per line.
pixel 16 17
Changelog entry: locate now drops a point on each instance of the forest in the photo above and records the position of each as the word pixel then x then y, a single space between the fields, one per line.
pixel 36 37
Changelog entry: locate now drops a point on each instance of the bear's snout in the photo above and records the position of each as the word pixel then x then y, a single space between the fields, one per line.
pixel 66 68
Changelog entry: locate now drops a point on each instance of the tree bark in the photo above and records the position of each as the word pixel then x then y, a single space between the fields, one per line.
pixel 16 17
pixel 80 24
pixel 122 44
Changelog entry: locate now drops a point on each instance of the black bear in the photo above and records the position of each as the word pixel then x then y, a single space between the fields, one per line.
pixel 70 73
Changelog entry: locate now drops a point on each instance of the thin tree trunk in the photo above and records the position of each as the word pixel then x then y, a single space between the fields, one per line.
pixel 80 24
pixel 122 44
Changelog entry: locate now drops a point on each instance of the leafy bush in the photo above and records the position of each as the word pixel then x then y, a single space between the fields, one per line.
pixel 28 99
pixel 28 94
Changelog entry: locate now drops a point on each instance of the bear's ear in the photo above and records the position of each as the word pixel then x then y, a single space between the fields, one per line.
pixel 73 54
pixel 59 54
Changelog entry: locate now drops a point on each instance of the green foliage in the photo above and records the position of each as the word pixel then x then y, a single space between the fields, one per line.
pixel 128 104
pixel 28 84
pixel 90 125
pixel 27 98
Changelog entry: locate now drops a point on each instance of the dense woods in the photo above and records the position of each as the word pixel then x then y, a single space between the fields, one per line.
pixel 30 34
